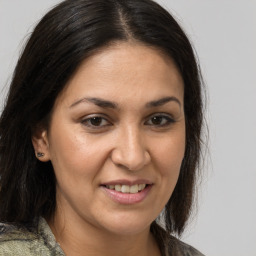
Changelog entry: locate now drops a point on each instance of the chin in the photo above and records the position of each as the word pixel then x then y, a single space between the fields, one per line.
pixel 127 224
pixel 127 230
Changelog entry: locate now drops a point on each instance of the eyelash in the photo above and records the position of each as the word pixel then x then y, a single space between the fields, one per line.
pixel 167 121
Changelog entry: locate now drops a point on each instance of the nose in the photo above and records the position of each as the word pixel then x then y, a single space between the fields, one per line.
pixel 130 151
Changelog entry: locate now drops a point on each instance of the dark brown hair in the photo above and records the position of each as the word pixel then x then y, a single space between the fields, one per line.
pixel 65 36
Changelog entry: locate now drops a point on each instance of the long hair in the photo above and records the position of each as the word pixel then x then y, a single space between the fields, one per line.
pixel 66 36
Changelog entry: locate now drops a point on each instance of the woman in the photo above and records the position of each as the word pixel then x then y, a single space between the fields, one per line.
pixel 101 131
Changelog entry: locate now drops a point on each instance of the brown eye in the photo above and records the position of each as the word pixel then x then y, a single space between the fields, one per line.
pixel 160 120
pixel 95 122
pixel 157 120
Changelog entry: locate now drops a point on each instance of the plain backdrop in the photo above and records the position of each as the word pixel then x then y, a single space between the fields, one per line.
pixel 224 35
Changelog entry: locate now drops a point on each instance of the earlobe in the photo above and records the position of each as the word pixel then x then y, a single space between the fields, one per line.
pixel 41 145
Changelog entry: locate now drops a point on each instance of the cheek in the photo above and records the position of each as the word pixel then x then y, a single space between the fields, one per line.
pixel 170 153
pixel 169 156
pixel 74 155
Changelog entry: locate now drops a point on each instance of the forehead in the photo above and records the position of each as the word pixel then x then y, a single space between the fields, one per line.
pixel 125 71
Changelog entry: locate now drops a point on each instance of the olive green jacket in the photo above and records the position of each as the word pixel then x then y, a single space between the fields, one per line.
pixel 40 241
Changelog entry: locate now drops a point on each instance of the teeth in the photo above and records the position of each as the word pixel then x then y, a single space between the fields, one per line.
pixel 126 188
pixel 134 189
pixel 142 186
pixel 118 188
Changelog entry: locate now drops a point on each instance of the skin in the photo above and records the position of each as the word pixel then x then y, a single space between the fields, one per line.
pixel 131 140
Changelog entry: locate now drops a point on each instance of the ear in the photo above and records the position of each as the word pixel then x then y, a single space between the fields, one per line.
pixel 41 144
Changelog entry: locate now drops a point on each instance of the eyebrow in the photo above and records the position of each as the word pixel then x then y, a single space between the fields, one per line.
pixel 162 101
pixel 109 104
pixel 98 102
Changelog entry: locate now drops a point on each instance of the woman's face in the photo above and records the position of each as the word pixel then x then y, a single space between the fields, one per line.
pixel 118 125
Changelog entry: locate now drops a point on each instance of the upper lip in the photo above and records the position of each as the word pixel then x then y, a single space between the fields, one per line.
pixel 127 182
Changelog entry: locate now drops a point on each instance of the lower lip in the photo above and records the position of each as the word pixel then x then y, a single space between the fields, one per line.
pixel 127 198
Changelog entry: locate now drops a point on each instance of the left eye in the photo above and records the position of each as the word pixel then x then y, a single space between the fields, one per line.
pixel 95 122
pixel 160 120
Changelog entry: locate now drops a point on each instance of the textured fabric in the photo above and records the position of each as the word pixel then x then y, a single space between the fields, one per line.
pixel 181 249
pixel 21 241
pixel 40 241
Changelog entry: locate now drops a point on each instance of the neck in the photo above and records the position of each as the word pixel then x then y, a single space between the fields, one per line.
pixel 79 238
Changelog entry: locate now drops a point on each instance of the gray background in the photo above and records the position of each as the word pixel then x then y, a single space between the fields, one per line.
pixel 224 35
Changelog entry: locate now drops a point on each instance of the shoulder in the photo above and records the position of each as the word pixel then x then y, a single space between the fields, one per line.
pixel 12 232
pixel 21 240
pixel 15 240
pixel 182 249
pixel 170 245
pixel 188 250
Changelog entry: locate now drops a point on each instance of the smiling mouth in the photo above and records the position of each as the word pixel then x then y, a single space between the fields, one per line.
pixel 126 188
pixel 127 192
